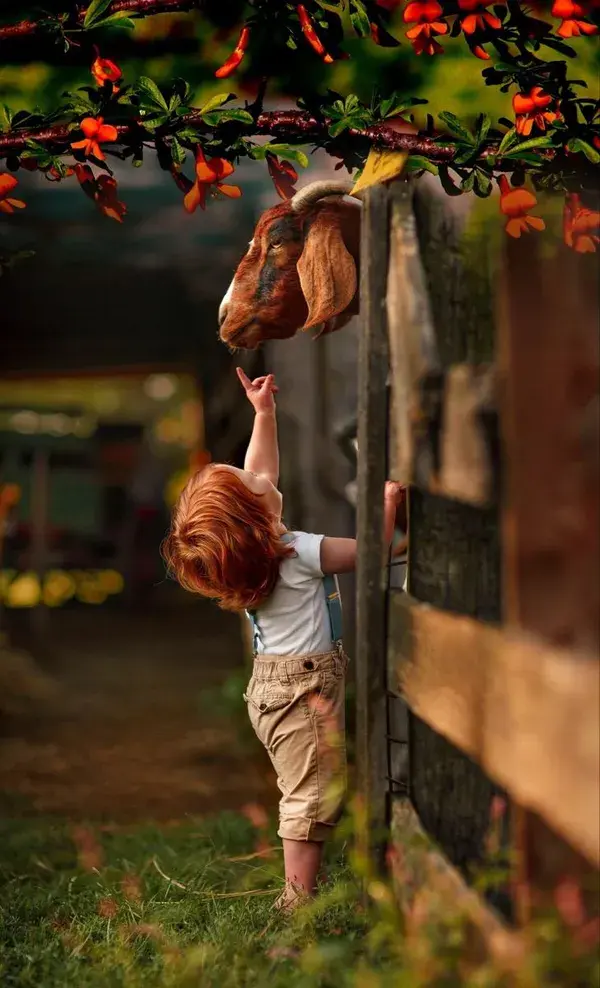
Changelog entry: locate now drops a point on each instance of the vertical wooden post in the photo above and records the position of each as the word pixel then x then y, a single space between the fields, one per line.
pixel 434 322
pixel 371 677
pixel 549 364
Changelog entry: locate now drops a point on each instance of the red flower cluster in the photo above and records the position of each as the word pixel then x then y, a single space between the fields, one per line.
pixel 308 29
pixel 96 132
pixel 476 17
pixel 103 70
pixel 532 108
pixel 429 21
pixel 102 191
pixel 517 204
pixel 284 176
pixel 209 172
pixel 581 226
pixel 573 22
pixel 231 64
pixel 7 203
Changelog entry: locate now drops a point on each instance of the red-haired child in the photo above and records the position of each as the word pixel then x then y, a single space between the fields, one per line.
pixel 228 542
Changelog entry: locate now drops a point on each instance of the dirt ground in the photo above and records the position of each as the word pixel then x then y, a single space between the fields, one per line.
pixel 127 737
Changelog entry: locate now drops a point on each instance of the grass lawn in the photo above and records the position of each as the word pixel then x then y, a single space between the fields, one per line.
pixel 178 905
pixel 190 905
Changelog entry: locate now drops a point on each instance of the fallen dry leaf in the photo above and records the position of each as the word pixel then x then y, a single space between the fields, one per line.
pixel 131 886
pixel 107 908
pixel 90 855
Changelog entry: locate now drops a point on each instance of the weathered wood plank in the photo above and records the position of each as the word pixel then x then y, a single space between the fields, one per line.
pixel 453 545
pixel 441 415
pixel 550 365
pixel 467 472
pixel 423 878
pixel 548 355
pixel 526 712
pixel 413 351
pixel 371 576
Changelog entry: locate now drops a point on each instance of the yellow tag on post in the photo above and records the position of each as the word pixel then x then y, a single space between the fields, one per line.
pixel 380 166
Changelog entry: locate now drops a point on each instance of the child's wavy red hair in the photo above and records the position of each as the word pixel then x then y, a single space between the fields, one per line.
pixel 223 543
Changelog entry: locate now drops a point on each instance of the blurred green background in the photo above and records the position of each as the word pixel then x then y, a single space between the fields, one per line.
pixel 193 45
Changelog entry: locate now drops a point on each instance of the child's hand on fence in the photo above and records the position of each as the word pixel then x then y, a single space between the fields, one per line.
pixel 260 392
pixel 394 492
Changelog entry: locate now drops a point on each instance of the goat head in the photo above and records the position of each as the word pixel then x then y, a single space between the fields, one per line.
pixel 301 270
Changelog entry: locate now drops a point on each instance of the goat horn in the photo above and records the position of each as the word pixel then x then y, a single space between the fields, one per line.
pixel 318 190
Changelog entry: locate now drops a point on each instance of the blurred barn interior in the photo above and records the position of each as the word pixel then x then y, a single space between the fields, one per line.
pixel 113 387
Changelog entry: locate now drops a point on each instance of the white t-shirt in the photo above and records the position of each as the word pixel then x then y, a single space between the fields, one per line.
pixel 295 619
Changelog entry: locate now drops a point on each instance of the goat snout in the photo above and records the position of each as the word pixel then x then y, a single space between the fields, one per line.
pixel 225 303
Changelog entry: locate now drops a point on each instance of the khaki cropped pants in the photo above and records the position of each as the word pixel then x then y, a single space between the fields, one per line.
pixel 296 707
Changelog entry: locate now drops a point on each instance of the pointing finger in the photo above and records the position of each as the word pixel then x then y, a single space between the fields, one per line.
pixel 244 379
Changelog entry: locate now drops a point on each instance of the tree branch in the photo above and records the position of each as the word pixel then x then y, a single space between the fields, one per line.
pixel 143 8
pixel 284 125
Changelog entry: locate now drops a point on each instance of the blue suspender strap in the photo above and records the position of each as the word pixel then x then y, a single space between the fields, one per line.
pixel 334 607
pixel 255 635
pixel 332 598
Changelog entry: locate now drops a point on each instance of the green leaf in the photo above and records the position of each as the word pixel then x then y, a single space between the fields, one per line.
pixel 216 117
pixel 215 101
pixel 533 142
pixel 360 19
pixel 468 182
pixel 484 124
pixel 94 12
pixel 456 127
pixel 235 113
pixel 177 152
pixel 417 162
pixel 147 88
pixel 483 183
pixel 465 155
pixel 5 116
pixel 337 128
pixel 396 104
pixel 577 145
pixel 527 157
pixel 288 152
pixel 189 134
pixel 120 19
pixel 447 182
pixel 551 42
pixel 510 138
pixel 152 123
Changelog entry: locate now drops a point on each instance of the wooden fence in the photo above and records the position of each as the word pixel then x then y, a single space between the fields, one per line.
pixel 478 386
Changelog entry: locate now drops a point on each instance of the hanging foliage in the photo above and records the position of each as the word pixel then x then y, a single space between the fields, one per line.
pixel 550 140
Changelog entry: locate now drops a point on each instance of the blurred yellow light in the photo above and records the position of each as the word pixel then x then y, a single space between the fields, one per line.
pixel 25 422
pixel 25 591
pixel 58 588
pixel 6 578
pixel 111 581
pixel 160 387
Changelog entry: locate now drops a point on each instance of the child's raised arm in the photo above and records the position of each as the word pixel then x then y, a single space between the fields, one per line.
pixel 262 455
pixel 339 555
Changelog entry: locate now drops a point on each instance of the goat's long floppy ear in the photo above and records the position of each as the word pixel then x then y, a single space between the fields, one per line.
pixel 326 270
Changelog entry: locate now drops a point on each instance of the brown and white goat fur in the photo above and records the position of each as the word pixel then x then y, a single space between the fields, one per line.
pixel 301 269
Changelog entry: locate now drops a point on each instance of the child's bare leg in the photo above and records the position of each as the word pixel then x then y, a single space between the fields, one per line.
pixel 302 859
